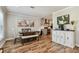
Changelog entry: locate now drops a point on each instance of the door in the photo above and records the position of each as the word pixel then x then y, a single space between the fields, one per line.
pixel 69 39
pixel 58 36
pixel 62 37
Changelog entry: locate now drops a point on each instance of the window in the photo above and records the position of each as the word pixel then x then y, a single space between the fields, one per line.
pixel 1 25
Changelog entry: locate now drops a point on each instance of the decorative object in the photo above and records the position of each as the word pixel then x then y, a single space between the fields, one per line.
pixel 32 24
pixel 72 22
pixel 61 27
pixel 63 19
pixel 25 23
pixel 45 21
pixel 22 23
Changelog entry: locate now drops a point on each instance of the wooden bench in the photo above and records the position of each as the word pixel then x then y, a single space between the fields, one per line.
pixel 23 38
pixel 27 36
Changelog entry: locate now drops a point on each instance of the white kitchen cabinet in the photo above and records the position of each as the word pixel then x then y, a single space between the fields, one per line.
pixel 69 39
pixel 65 38
pixel 54 39
pixel 62 37
pixel 57 37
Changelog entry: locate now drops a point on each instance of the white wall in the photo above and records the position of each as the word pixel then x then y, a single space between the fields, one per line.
pixel 12 23
pixel 74 15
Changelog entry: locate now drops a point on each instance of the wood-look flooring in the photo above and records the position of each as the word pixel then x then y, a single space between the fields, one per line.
pixel 44 45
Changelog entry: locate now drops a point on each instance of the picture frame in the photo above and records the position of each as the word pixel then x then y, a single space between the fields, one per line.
pixel 64 19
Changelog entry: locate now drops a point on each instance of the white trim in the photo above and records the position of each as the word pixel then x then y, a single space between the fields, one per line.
pixel 21 14
pixel 9 39
pixel 63 9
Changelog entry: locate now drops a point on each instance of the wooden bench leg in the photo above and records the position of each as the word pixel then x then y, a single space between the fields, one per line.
pixel 2 50
pixel 15 41
pixel 22 41
pixel 38 38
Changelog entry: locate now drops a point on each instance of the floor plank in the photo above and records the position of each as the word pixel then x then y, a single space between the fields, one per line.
pixel 44 45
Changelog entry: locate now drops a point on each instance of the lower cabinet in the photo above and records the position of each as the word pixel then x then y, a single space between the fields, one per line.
pixel 62 37
pixel 54 35
pixel 65 38
pixel 69 39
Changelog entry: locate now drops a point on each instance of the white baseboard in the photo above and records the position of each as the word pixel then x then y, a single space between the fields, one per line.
pixel 9 39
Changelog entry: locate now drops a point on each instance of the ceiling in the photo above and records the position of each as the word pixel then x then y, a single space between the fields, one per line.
pixel 36 11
